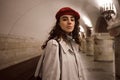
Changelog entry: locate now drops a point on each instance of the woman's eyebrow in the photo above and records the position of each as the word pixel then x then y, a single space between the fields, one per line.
pixel 67 17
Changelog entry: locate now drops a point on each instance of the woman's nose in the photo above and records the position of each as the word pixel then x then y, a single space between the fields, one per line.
pixel 69 21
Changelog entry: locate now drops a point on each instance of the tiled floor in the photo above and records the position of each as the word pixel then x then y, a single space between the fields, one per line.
pixel 97 70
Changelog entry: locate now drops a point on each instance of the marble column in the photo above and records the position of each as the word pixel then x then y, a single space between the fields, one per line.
pixel 89 46
pixel 103 47
pixel 83 45
pixel 114 30
pixel 117 57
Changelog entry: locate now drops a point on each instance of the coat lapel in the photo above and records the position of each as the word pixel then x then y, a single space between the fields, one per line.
pixel 65 47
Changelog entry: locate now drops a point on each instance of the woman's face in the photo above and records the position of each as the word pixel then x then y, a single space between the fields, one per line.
pixel 67 23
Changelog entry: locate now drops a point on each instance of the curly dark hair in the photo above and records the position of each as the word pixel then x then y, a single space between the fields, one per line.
pixel 57 32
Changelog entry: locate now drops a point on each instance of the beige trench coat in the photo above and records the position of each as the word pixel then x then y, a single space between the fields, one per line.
pixel 71 62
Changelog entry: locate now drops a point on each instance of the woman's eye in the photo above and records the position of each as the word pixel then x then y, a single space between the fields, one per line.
pixel 72 19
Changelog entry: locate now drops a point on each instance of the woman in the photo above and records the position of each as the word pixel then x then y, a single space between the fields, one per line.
pixel 66 32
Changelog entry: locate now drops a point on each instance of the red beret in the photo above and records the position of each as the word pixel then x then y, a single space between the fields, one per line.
pixel 67 11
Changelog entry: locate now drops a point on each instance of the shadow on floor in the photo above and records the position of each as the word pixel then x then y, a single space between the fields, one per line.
pixel 21 71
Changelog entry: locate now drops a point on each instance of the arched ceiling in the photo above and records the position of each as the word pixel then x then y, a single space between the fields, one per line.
pixel 35 18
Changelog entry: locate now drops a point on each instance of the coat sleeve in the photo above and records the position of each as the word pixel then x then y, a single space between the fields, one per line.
pixel 51 64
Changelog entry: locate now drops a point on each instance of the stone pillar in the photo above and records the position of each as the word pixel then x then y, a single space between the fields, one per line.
pixel 103 47
pixel 114 30
pixel 89 46
pixel 83 45
pixel 117 57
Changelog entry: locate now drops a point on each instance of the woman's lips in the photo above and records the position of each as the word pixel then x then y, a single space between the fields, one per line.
pixel 69 27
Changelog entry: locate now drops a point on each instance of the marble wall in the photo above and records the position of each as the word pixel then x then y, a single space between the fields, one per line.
pixel 15 49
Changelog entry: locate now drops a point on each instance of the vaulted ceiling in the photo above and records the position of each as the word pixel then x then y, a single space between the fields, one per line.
pixel 34 18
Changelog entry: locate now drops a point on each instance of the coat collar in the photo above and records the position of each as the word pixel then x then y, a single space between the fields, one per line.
pixel 66 48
